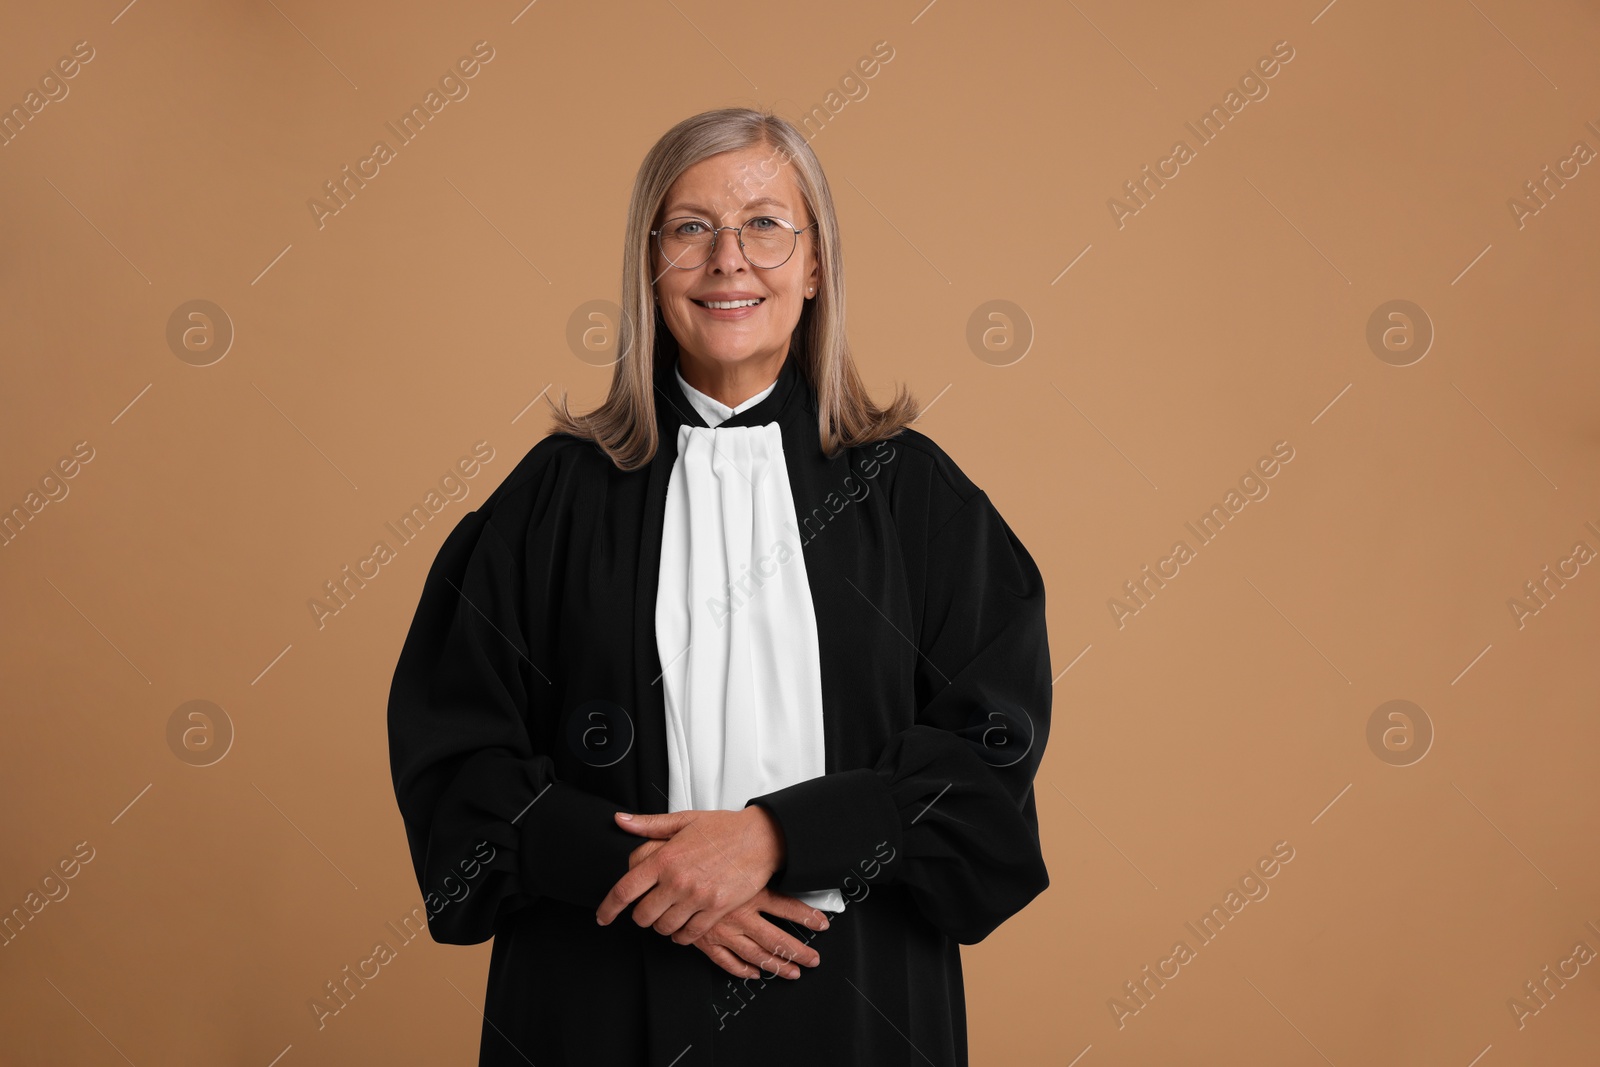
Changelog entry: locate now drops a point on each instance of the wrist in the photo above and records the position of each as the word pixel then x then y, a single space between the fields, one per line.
pixel 772 830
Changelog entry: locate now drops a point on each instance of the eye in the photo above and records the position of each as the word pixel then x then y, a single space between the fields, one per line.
pixel 686 228
pixel 764 223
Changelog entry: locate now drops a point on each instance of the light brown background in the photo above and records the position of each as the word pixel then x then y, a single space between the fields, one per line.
pixel 1227 315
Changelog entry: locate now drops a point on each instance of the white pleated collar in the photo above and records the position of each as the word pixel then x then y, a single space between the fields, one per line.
pixel 736 628
pixel 711 409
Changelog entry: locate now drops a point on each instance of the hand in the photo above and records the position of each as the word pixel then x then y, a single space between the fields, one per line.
pixel 713 862
pixel 747 946
pixel 644 852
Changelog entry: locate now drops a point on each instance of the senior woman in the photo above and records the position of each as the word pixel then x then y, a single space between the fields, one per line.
pixel 721 714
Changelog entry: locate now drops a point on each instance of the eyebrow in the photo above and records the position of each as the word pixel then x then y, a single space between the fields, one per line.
pixel 760 201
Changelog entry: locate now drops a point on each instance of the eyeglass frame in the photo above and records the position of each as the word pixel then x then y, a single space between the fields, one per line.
pixel 716 233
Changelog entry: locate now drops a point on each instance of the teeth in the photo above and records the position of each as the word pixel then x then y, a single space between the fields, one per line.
pixel 728 305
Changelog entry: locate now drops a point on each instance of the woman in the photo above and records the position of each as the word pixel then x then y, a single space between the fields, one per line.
pixel 721 714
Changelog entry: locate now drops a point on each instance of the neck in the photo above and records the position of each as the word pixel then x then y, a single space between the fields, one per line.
pixel 730 383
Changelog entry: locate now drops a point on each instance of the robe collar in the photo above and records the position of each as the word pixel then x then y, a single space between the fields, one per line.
pixel 790 395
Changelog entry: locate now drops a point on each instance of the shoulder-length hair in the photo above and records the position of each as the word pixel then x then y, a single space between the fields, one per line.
pixel 624 426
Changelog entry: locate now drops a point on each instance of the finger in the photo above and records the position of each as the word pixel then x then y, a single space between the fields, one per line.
pixel 628 887
pixel 770 964
pixel 787 907
pixel 671 908
pixel 644 852
pixel 660 826
pixel 671 921
pixel 701 920
pixel 781 944
pixel 664 908
pixel 730 963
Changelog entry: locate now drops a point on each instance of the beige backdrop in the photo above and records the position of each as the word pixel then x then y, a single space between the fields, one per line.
pixel 1328 319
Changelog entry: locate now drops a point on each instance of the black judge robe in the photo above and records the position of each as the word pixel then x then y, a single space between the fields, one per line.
pixel 526 708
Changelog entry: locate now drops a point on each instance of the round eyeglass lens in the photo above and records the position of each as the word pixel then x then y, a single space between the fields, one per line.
pixel 686 242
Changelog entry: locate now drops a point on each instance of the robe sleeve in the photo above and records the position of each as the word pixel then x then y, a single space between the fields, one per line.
pixel 489 827
pixel 952 795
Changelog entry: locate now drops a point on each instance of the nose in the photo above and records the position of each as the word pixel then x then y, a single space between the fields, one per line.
pixel 727 257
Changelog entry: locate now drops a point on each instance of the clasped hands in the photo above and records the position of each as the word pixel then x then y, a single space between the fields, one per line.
pixel 701 879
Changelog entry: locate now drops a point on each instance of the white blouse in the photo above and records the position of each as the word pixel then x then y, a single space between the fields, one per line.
pixel 735 626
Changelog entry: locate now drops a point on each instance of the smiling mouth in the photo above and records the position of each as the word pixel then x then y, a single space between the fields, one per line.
pixel 730 305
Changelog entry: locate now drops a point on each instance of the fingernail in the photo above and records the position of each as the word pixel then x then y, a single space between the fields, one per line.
pixel 625 818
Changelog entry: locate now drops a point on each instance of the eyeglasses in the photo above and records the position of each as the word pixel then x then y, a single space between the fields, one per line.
pixel 687 242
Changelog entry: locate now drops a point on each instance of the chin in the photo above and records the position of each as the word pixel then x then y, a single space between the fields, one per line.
pixel 727 351
pixel 731 358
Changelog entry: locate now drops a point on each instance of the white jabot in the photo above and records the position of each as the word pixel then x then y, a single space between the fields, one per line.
pixel 735 625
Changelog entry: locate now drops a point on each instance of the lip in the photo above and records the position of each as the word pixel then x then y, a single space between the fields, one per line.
pixel 729 313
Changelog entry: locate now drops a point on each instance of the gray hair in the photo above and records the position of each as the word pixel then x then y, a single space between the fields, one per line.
pixel 624 425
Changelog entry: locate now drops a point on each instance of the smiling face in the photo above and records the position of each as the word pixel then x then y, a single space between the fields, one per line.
pixel 742 344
